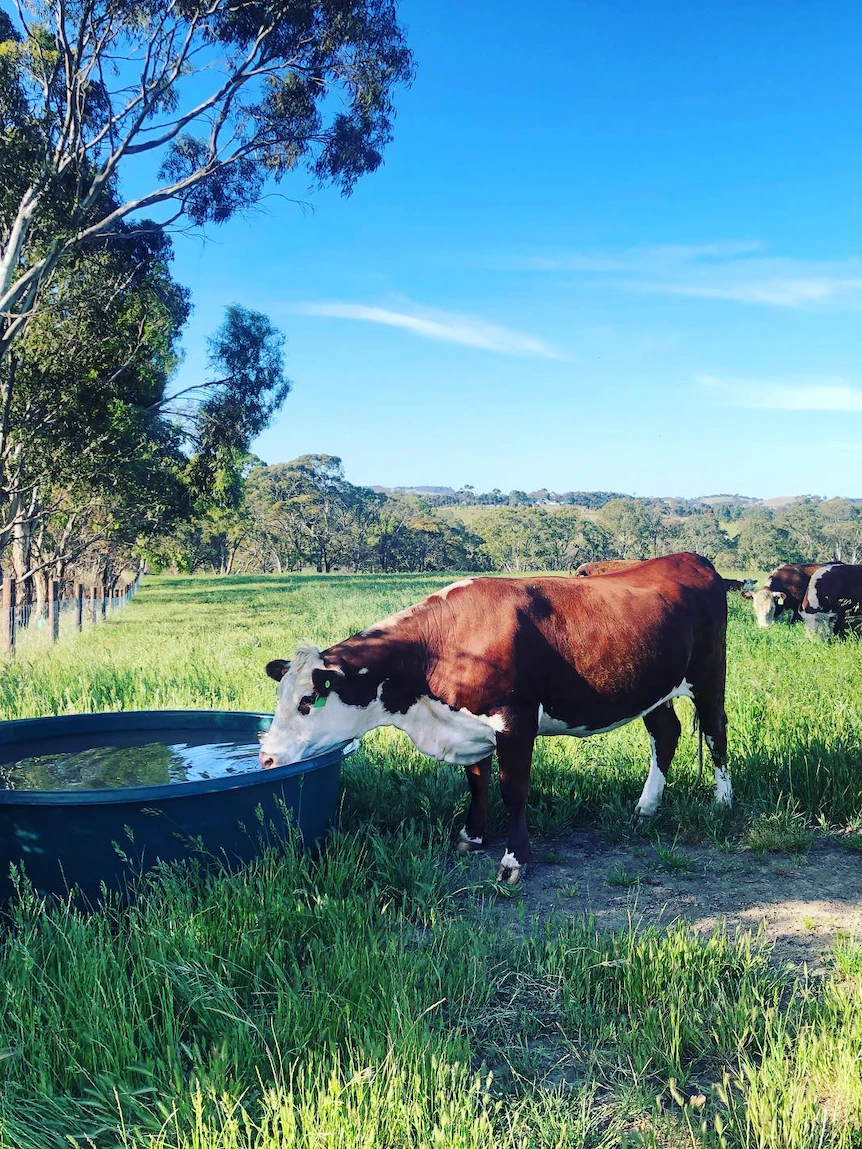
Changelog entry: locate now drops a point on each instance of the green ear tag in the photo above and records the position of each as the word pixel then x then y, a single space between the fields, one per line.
pixel 322 700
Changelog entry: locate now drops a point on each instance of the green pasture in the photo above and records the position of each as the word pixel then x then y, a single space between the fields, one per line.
pixel 378 995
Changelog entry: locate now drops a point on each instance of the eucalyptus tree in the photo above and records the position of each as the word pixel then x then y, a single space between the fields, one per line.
pixel 83 421
pixel 206 101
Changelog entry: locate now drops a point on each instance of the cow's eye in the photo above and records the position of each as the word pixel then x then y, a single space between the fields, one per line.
pixel 306 703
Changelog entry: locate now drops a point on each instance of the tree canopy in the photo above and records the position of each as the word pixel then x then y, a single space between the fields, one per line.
pixel 220 98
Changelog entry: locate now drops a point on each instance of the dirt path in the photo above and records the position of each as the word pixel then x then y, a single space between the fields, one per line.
pixel 802 902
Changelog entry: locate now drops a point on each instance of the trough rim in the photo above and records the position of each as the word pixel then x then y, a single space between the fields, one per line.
pixel 17 730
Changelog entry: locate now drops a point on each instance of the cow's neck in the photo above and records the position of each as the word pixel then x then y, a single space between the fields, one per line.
pixel 390 667
pixel 386 677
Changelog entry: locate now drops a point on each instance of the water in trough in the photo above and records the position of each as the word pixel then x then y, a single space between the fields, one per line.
pixel 115 767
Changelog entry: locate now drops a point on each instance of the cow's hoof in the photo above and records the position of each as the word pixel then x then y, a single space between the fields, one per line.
pixel 510 870
pixel 466 844
pixel 644 815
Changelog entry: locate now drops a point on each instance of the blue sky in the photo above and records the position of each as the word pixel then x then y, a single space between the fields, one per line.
pixel 613 246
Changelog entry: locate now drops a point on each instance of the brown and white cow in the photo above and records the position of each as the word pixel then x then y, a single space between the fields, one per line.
pixel 780 597
pixel 490 663
pixel 833 595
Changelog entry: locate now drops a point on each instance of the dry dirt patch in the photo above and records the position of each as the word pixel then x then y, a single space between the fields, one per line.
pixel 802 903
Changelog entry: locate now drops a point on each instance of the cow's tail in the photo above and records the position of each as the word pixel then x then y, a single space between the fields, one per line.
pixel 697 729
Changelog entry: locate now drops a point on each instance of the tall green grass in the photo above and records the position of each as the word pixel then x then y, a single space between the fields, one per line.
pixel 380 994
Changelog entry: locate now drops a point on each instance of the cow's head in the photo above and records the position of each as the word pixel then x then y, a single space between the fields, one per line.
pixel 310 716
pixel 767 604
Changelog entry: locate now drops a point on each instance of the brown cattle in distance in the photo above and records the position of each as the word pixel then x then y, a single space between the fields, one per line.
pixel 744 585
pixel 491 663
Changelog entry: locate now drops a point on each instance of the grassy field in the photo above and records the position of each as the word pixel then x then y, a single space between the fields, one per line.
pixel 379 995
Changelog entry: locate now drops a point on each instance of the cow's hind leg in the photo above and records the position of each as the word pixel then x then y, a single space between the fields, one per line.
pixel 713 726
pixel 514 757
pixel 663 728
pixel 475 827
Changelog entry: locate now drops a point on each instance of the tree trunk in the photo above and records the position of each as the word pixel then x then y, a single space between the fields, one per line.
pixel 40 583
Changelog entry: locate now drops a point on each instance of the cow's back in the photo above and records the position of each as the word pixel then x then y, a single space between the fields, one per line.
pixel 523 637
pixel 792 579
pixel 605 566
pixel 832 587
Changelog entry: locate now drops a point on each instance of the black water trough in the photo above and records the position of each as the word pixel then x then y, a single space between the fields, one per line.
pixel 84 826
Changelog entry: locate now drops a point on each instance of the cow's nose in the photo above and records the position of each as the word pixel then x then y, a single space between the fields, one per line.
pixel 266 760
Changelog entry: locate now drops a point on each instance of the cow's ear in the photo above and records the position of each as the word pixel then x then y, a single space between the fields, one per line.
pixel 277 669
pixel 324 681
pixel 779 596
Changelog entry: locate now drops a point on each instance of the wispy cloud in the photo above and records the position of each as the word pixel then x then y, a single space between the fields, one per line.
pixel 446 326
pixel 645 260
pixel 817 394
pixel 735 270
pixel 786 292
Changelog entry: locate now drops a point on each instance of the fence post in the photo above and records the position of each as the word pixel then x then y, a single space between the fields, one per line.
pixel 79 606
pixel 103 594
pixel 9 606
pixel 53 610
pixel 94 592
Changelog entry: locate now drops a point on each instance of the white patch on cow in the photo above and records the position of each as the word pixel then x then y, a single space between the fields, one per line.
pixel 723 788
pixel 495 721
pixel 454 736
pixel 466 844
pixel 553 726
pixel 821 625
pixel 447 590
pixel 814 586
pixel 650 799
pixel 463 836
pixel 364 670
pixel 509 869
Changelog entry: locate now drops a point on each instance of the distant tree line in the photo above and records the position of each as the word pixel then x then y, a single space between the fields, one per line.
pixel 305 515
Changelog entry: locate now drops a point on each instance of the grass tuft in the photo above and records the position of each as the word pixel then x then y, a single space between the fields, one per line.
pixel 783 829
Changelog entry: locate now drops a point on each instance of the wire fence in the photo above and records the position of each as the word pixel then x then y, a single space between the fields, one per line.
pixel 44 623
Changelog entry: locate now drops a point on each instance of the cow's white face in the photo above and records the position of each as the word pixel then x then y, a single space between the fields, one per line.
pixel 765 603
pixel 310 717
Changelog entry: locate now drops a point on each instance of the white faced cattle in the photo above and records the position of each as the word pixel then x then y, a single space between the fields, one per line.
pixel 490 663
pixel 780 597
pixel 832 598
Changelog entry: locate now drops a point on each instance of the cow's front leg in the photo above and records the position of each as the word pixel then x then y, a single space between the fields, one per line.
pixel 475 828
pixel 514 757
